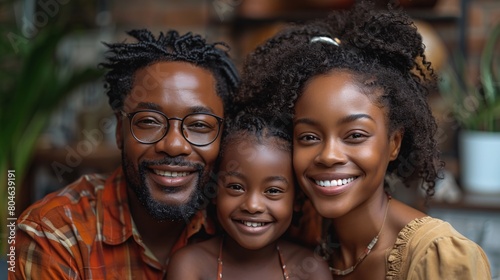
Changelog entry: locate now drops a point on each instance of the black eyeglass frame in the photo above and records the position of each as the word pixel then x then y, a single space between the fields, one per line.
pixel 131 116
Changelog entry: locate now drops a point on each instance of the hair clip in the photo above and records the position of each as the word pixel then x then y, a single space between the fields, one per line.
pixel 325 39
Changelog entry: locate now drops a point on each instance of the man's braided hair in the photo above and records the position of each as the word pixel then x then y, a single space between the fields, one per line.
pixel 125 59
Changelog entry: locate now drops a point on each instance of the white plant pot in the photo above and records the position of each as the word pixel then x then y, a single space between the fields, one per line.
pixel 480 161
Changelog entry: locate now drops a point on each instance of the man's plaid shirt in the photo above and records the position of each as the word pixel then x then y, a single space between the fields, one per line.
pixel 86 231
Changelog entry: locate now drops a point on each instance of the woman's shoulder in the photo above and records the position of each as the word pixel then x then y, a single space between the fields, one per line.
pixel 414 229
pixel 425 230
pixel 421 233
pixel 428 243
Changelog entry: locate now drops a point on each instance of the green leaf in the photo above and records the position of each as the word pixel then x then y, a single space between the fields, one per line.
pixel 23 151
pixel 475 107
pixel 486 67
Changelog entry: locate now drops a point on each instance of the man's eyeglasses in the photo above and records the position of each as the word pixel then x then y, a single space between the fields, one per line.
pixel 150 126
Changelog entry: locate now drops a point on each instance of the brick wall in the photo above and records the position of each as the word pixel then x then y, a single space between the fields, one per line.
pixel 200 16
pixel 480 18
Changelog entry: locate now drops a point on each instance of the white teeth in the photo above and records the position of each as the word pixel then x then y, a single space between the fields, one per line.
pixel 334 183
pixel 252 224
pixel 170 173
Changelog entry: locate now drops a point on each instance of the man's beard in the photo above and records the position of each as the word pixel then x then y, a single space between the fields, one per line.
pixel 160 211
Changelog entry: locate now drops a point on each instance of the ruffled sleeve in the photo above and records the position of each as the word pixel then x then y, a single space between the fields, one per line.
pixel 429 248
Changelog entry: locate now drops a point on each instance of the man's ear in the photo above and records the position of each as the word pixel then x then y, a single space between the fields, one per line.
pixel 395 143
pixel 119 131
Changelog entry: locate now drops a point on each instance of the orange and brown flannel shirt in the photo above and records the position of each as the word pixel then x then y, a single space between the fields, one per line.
pixel 86 231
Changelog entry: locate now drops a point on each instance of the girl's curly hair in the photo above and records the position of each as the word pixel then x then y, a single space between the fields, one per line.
pixel 123 60
pixel 384 52
pixel 250 124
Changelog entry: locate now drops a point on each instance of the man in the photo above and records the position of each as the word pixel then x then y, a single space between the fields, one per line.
pixel 169 95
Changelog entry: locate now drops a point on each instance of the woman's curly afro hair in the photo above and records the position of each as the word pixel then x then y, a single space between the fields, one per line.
pixel 383 51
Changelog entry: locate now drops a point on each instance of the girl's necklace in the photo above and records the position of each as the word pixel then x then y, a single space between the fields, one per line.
pixel 220 263
pixel 367 251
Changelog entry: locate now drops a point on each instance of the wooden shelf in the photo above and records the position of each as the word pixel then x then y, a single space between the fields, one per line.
pixel 469 202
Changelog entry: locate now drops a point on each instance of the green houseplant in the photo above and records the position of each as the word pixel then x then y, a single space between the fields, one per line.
pixel 33 84
pixel 476 107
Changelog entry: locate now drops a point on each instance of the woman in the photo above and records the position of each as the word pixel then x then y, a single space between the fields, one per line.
pixel 354 87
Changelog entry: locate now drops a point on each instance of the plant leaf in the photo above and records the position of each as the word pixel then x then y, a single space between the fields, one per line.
pixel 486 67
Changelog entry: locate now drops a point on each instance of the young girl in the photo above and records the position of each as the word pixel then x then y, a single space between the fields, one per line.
pixel 354 86
pixel 254 206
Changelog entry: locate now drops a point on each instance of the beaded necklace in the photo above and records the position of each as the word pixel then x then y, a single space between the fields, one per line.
pixel 367 251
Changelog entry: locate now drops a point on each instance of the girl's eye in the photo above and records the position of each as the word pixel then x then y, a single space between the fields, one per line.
pixel 274 191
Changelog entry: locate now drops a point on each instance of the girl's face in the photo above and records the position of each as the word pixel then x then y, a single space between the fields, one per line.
pixel 342 144
pixel 255 192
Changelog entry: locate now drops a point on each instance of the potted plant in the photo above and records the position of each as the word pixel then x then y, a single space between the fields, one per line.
pixel 32 86
pixel 476 107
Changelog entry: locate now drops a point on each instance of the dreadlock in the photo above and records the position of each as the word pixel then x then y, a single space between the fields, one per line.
pixel 125 59
pixel 384 52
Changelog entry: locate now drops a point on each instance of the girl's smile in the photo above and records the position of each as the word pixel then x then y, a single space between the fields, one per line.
pixel 255 191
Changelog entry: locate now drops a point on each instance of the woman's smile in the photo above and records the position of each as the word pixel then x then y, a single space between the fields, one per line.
pixel 345 154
